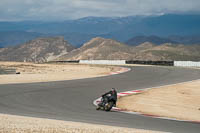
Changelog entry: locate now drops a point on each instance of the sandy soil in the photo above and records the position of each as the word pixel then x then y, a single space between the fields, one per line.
pixel 19 124
pixel 181 101
pixel 52 72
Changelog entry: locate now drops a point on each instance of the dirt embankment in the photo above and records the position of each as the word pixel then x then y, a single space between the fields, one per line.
pixel 30 72
pixel 180 101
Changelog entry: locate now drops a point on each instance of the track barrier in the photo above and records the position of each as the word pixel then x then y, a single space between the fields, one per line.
pixel 187 63
pixel 123 62
pixel 107 62
pixel 161 63
pixel 70 61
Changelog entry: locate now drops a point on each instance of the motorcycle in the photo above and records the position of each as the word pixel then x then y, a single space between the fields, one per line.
pixel 105 104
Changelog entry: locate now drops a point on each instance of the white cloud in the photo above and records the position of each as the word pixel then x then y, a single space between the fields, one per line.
pixel 70 9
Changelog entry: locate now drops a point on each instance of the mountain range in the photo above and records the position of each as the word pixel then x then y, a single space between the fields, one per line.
pixel 188 40
pixel 11 38
pixel 108 49
pixel 38 50
pixel 172 27
pixel 57 49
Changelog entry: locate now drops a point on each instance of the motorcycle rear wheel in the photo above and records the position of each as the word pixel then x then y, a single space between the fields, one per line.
pixel 109 106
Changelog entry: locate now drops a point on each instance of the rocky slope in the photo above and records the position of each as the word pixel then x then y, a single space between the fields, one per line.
pixel 175 52
pixel 38 50
pixel 56 48
pixel 153 39
pixel 100 48
pixel 188 40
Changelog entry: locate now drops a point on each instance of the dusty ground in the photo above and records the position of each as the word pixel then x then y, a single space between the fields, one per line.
pixel 181 101
pixel 52 72
pixel 19 124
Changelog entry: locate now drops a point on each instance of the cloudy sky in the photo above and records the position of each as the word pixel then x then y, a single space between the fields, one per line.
pixel 11 10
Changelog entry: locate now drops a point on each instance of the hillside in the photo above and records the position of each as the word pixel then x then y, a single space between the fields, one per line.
pixel 152 39
pixel 38 50
pixel 169 51
pixel 175 39
pixel 100 48
pixel 56 48
pixel 191 39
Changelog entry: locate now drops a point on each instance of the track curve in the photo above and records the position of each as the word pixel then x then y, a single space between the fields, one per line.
pixel 72 100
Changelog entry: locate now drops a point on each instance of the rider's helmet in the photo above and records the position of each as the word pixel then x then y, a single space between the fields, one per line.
pixel 113 89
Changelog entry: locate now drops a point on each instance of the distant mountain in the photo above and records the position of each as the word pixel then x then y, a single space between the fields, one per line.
pixel 12 38
pixel 107 49
pixel 21 25
pixel 164 26
pixel 160 40
pixel 121 29
pixel 77 39
pixel 38 50
pixel 9 38
pixel 152 39
pixel 88 25
pixel 186 39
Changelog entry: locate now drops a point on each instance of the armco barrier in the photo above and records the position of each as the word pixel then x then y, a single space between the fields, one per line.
pixel 163 63
pixel 187 63
pixel 107 62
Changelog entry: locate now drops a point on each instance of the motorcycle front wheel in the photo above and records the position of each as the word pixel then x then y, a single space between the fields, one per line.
pixel 98 108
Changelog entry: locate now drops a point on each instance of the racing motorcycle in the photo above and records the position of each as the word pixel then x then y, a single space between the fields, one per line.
pixel 105 104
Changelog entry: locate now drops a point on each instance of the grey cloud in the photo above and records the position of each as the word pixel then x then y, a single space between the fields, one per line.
pixel 71 9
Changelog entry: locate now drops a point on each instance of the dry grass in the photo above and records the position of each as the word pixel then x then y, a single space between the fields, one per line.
pixel 181 101
pixel 19 124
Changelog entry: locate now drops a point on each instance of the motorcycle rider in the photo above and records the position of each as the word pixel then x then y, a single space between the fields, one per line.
pixel 113 95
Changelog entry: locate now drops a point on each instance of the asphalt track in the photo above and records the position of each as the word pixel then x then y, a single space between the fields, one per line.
pixel 72 100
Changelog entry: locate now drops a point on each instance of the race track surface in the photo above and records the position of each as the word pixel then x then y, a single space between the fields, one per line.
pixel 72 100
